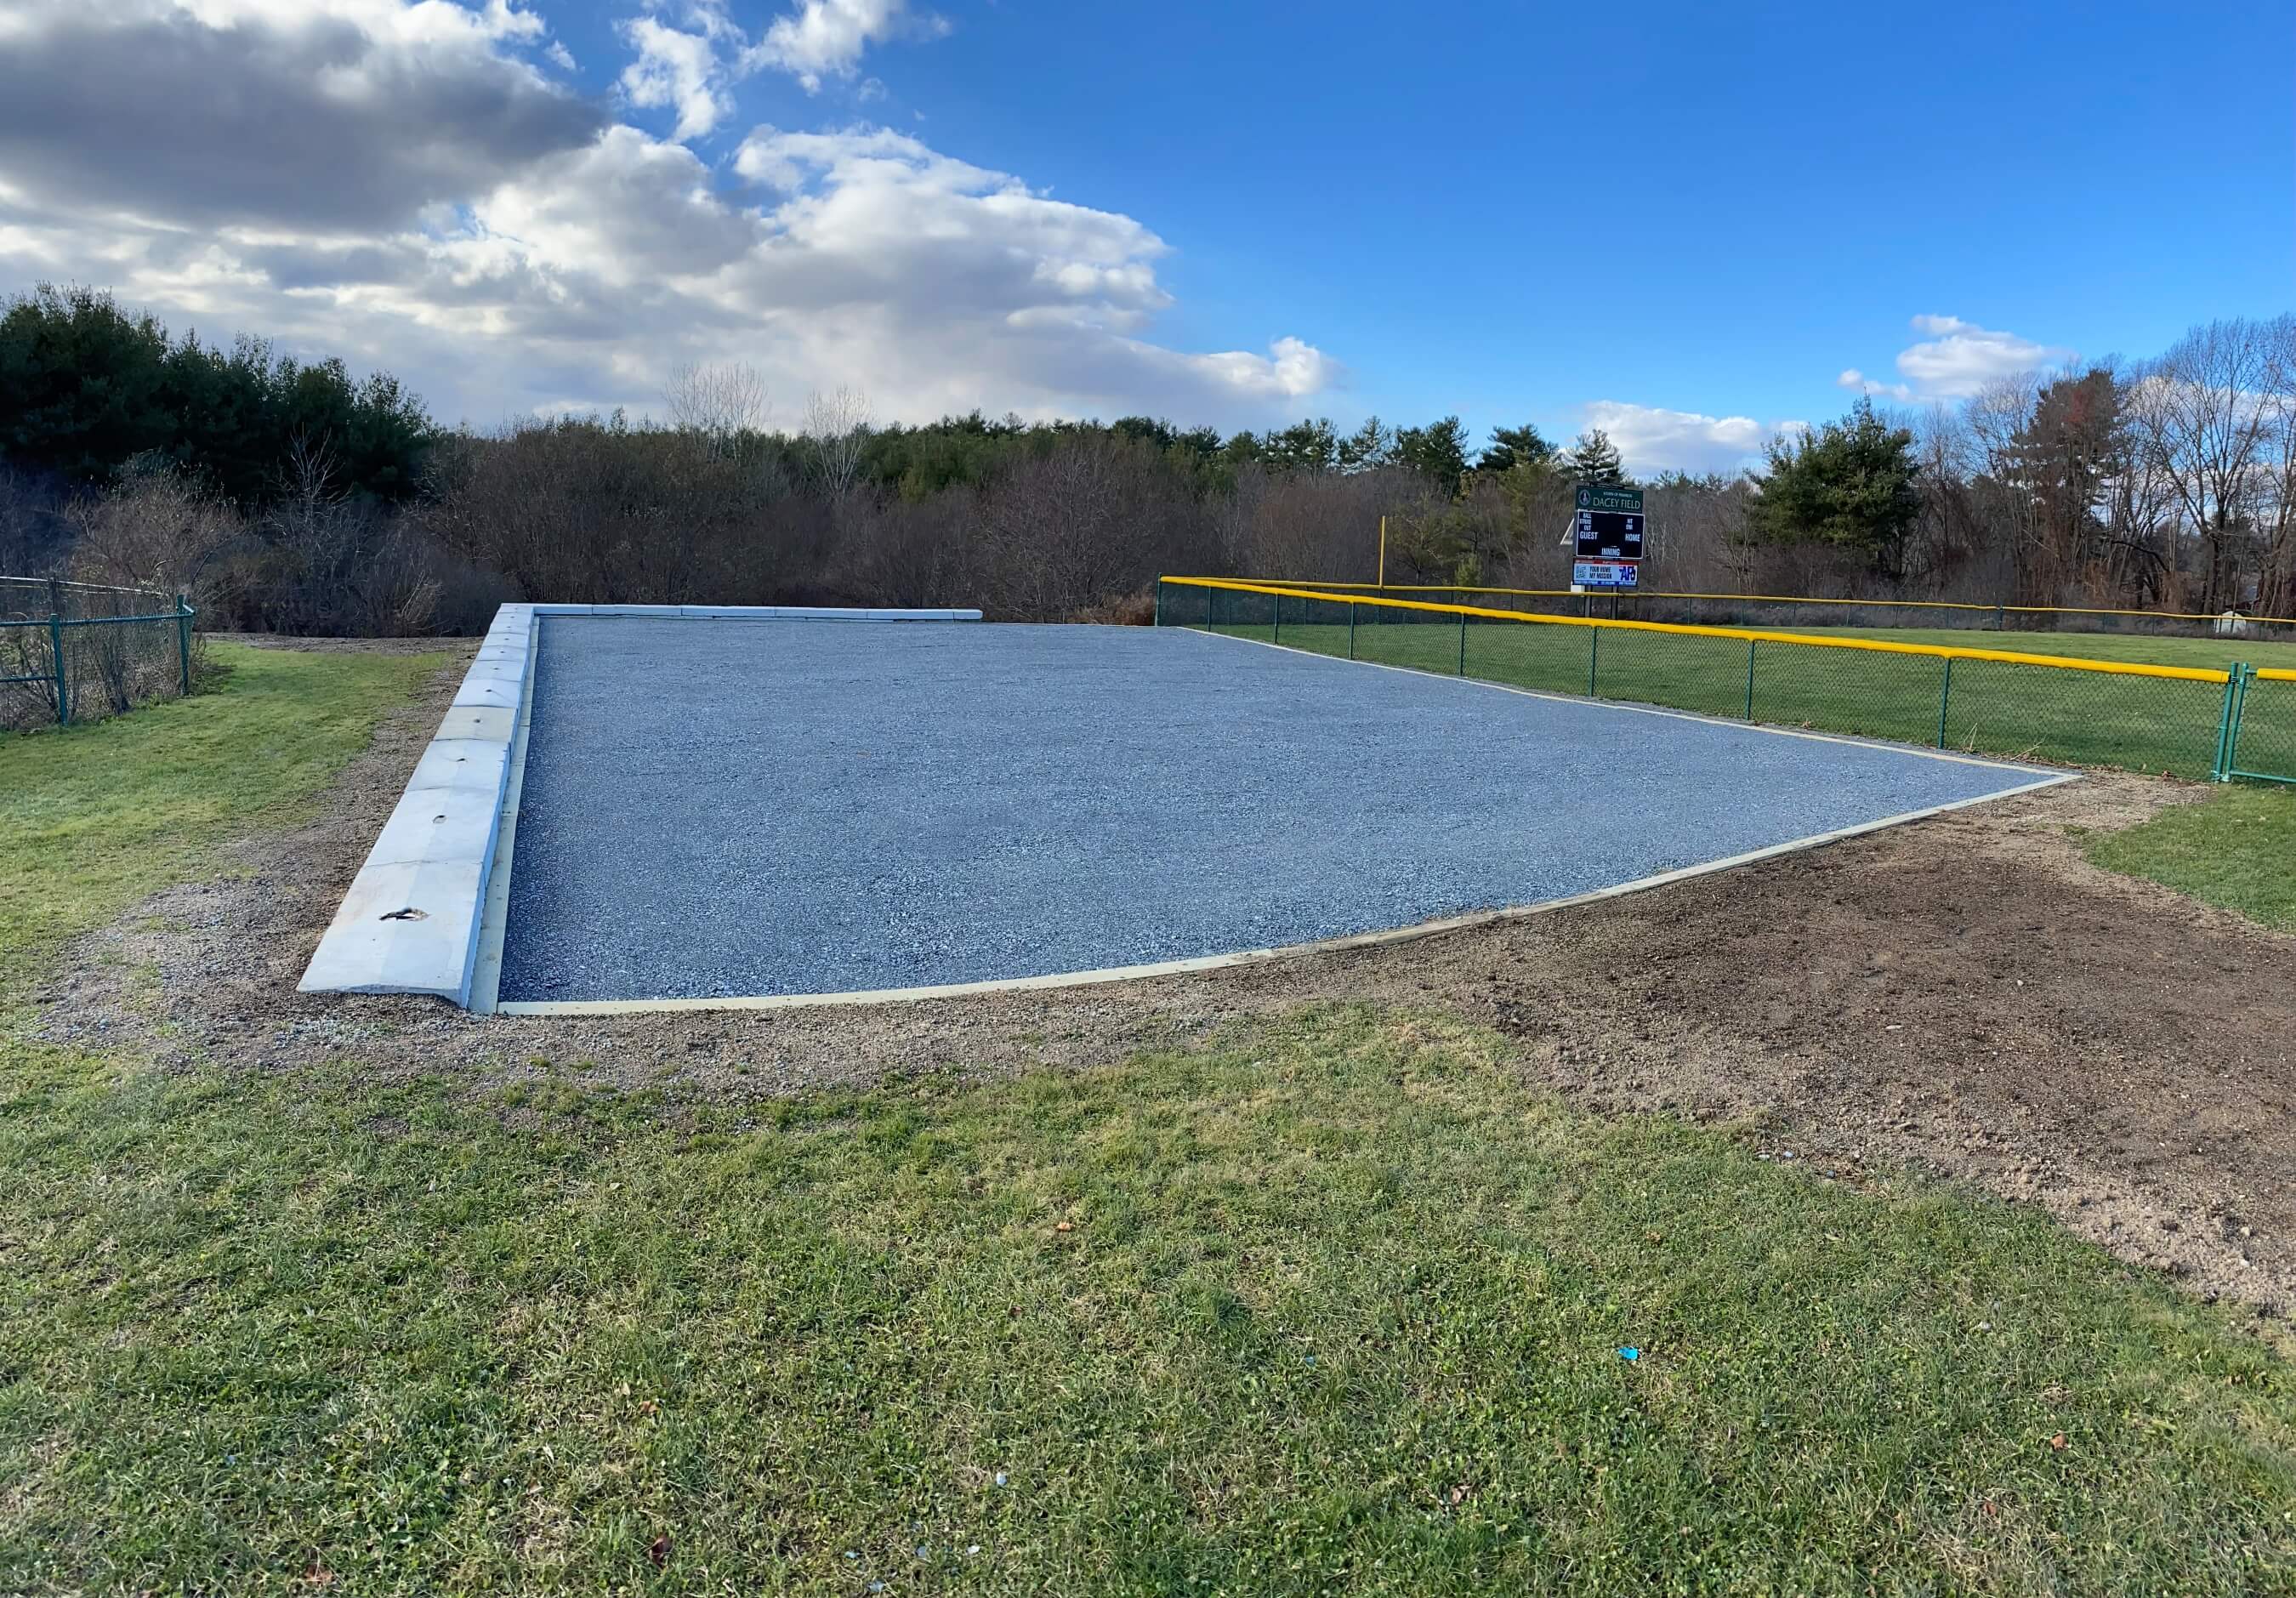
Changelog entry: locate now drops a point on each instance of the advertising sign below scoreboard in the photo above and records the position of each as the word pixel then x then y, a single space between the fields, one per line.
pixel 1603 574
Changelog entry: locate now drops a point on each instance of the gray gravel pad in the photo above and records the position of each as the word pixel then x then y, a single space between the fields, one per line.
pixel 744 808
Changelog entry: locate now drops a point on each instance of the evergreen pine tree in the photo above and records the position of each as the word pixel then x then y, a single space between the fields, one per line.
pixel 1849 484
pixel 1512 447
pixel 1593 459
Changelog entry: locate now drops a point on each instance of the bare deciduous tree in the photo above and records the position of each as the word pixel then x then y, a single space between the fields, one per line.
pixel 836 427
pixel 718 402
pixel 2276 496
pixel 2207 416
pixel 155 530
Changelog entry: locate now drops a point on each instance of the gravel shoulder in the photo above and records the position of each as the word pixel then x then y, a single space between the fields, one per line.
pixel 1964 995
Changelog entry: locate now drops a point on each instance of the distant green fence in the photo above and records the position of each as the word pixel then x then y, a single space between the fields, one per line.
pixel 78 651
pixel 2188 721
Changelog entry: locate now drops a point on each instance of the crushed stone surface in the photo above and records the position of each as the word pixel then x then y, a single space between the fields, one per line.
pixel 716 808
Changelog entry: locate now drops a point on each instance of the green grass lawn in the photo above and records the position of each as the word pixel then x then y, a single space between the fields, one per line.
pixel 96 816
pixel 2083 719
pixel 1334 1304
pixel 2236 849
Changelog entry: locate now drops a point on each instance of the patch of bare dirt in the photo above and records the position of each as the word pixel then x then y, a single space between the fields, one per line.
pixel 1964 995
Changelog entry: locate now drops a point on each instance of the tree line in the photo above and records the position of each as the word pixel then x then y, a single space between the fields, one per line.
pixel 291 496
pixel 2168 483
pixel 86 388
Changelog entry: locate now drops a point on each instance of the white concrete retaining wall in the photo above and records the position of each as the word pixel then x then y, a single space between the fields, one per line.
pixel 410 922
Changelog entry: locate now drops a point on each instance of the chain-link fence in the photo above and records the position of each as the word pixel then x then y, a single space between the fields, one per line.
pixel 2261 736
pixel 1769 611
pixel 78 651
pixel 2188 721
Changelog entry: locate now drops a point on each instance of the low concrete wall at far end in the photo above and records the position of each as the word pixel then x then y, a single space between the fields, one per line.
pixel 410 922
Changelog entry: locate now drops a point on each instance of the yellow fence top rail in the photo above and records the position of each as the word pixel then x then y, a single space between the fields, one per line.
pixel 2276 673
pixel 1937 651
pixel 1781 599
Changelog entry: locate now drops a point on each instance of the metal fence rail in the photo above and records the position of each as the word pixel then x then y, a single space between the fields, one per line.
pixel 75 652
pixel 2189 721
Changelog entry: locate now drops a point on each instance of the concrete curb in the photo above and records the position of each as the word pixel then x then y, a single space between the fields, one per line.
pixel 410 922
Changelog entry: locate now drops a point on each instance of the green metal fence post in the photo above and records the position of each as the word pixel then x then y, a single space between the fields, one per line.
pixel 1462 646
pixel 1279 620
pixel 1159 606
pixel 1593 654
pixel 2239 723
pixel 2220 761
pixel 2229 724
pixel 1945 698
pixel 183 635
pixel 64 683
pixel 1351 629
pixel 1751 645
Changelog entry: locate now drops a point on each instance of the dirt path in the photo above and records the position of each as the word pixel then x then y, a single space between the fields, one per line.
pixel 1965 994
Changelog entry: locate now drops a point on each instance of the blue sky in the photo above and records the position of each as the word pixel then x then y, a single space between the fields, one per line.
pixel 1689 221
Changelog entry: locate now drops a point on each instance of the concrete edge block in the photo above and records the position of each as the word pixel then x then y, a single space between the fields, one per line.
pixel 476 764
pixel 441 826
pixel 490 723
pixel 409 927
pixel 791 613
pixel 753 613
pixel 490 693
pixel 409 922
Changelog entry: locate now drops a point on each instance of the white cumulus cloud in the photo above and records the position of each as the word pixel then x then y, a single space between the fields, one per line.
pixel 937 255
pixel 675 69
pixel 303 114
pixel 827 37
pixel 1955 361
pixel 452 212
pixel 692 67
pixel 1651 439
